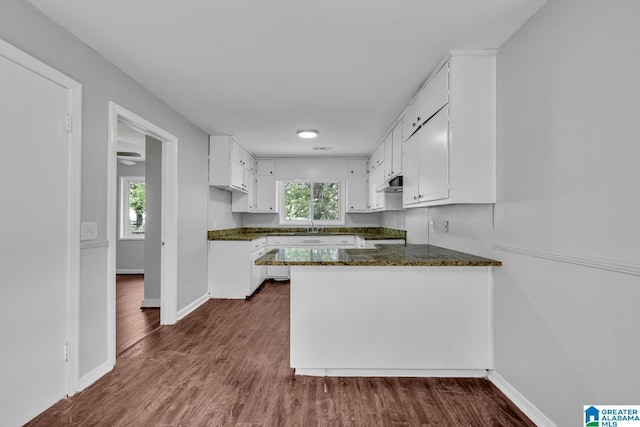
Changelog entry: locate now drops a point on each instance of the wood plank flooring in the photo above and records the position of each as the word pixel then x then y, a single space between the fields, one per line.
pixel 132 322
pixel 227 364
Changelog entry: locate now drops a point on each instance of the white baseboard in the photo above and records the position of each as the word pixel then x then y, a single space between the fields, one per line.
pixel 150 303
pixel 520 401
pixel 191 307
pixel 130 271
pixel 94 375
pixel 426 373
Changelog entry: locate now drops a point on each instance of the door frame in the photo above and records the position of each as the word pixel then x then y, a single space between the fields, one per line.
pixel 74 130
pixel 169 217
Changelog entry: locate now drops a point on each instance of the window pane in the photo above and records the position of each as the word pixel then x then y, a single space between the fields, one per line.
pixel 136 207
pixel 326 201
pixel 297 196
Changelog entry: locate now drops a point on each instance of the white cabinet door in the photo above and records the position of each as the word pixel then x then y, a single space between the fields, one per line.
pixel 435 94
pixel 377 158
pixel 236 151
pixel 258 272
pixel 266 167
pixel 237 176
pixel 356 166
pixel 396 136
pixel 388 156
pixel 266 200
pixel 434 158
pixel 357 193
pixel 377 179
pixel 410 170
pixel 409 122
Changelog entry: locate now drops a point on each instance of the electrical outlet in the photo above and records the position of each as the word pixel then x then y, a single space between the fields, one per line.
pixel 88 231
pixel 432 227
pixel 446 226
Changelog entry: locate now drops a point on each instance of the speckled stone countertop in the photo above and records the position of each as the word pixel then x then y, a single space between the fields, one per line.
pixel 367 233
pixel 384 255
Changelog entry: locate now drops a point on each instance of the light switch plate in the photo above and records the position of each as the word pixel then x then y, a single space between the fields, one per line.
pixel 88 231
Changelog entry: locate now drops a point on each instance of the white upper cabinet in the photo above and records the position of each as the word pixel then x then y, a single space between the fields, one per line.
pixel 356 166
pixel 377 158
pixel 396 168
pixel 266 167
pixel 266 194
pixel 393 153
pixel 451 158
pixel 431 98
pixel 356 185
pixel 226 168
pixel 426 161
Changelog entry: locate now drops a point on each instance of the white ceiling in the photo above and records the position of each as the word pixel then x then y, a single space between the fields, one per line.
pixel 261 70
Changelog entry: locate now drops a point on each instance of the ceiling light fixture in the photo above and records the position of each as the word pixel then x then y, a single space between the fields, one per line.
pixel 307 133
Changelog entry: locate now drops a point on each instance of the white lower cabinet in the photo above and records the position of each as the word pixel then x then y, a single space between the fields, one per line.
pixel 232 272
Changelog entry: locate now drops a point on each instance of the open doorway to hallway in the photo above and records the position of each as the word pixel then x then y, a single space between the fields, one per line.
pixel 163 249
pixel 139 164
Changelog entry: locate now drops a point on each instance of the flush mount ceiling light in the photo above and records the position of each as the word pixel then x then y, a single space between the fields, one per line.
pixel 307 133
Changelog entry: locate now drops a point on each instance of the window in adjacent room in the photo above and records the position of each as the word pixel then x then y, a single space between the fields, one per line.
pixel 305 201
pixel 132 207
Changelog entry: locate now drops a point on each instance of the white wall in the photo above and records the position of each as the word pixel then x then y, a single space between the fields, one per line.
pixel 129 253
pixel 566 334
pixel 27 29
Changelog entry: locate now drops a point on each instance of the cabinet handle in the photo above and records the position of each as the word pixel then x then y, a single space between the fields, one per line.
pixel 415 197
pixel 270 208
pixel 413 124
pixel 418 118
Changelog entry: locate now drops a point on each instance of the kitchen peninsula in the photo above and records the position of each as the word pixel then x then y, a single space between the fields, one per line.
pixel 397 310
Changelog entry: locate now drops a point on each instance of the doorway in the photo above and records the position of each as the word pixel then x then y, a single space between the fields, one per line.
pixel 138 251
pixel 169 216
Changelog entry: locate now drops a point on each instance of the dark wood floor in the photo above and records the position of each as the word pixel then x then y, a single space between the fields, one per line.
pixel 227 364
pixel 132 322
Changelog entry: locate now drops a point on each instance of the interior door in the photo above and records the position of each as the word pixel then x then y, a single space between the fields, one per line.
pixel 34 252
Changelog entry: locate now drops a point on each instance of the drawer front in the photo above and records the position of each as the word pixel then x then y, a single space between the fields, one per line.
pixel 278 241
pixel 311 241
pixel 258 243
pixel 344 240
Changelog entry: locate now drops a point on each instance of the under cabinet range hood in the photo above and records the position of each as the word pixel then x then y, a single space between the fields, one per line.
pixel 394 185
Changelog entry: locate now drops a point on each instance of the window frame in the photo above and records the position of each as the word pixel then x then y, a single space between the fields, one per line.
pixel 125 231
pixel 316 222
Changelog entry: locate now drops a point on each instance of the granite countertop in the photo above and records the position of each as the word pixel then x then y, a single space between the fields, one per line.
pixel 367 233
pixel 384 255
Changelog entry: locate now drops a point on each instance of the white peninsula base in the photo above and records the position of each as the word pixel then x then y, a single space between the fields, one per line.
pixel 391 321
